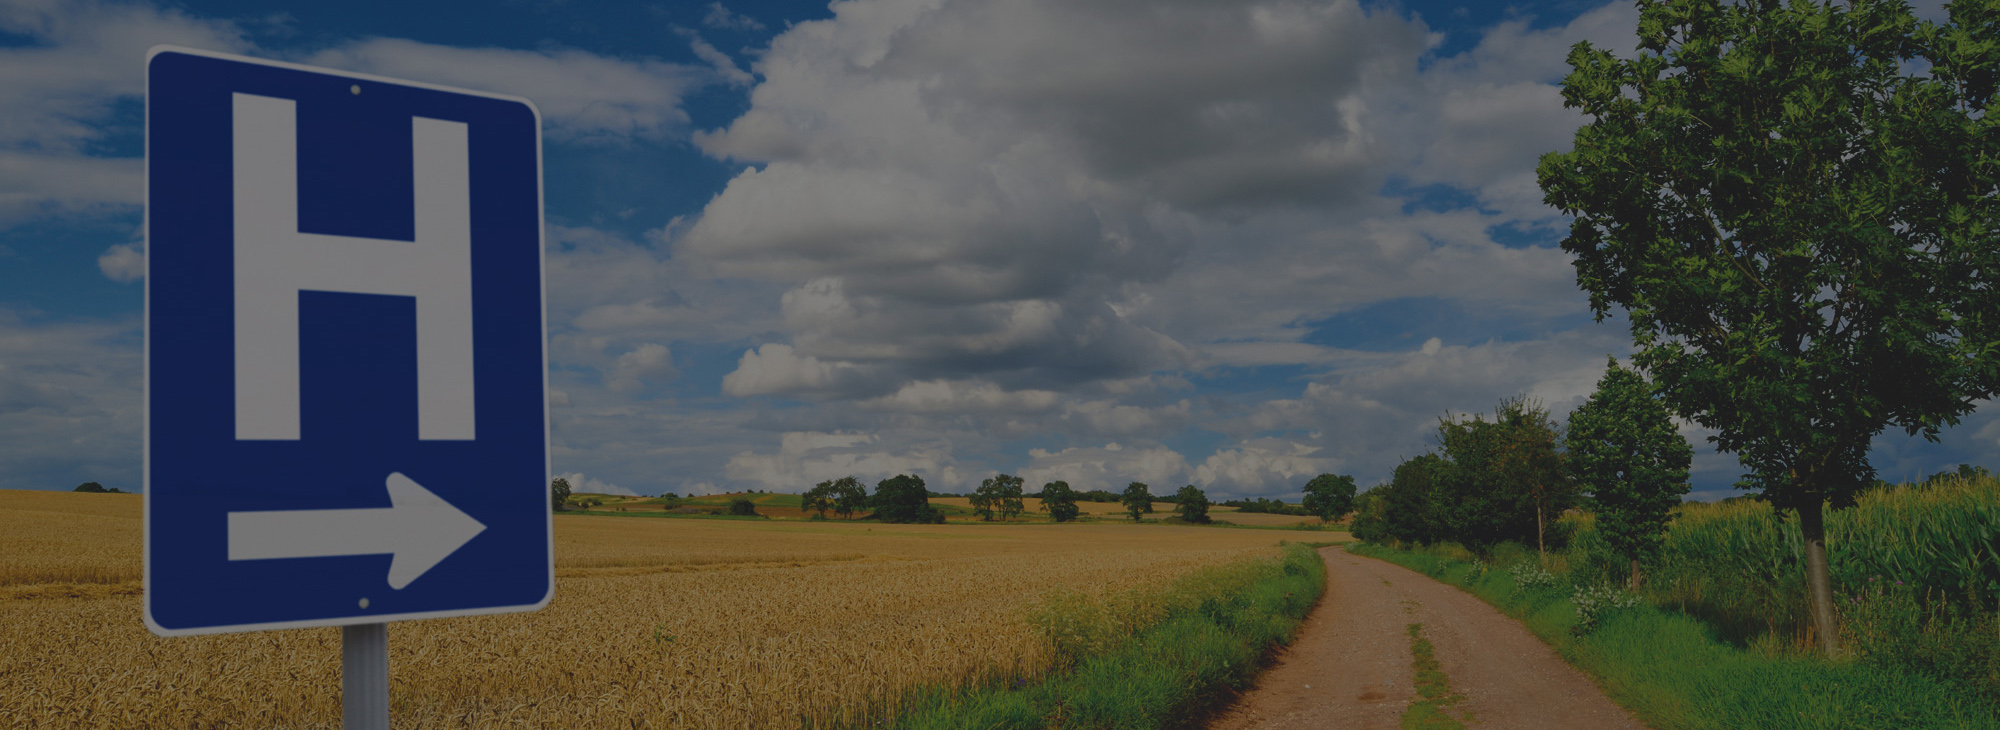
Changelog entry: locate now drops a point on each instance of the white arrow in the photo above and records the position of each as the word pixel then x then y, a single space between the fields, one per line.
pixel 419 528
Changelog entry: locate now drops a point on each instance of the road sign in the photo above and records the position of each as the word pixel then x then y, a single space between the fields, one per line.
pixel 346 415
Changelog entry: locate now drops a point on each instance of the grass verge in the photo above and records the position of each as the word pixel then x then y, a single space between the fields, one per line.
pixel 1165 659
pixel 1433 689
pixel 1675 673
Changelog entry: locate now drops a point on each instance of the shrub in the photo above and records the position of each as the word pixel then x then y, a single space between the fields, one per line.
pixel 1592 602
pixel 742 506
pixel 1530 575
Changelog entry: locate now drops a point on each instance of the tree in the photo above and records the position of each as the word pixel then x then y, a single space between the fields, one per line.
pixel 1505 478
pixel 1059 500
pixel 742 507
pixel 818 499
pixel 1192 504
pixel 558 493
pixel 1002 492
pixel 1802 235
pixel 1329 496
pixel 90 487
pixel 902 499
pixel 849 496
pixel 1136 499
pixel 1411 502
pixel 1370 515
pixel 1623 448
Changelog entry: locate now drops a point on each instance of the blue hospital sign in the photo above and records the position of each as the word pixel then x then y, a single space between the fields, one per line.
pixel 345 383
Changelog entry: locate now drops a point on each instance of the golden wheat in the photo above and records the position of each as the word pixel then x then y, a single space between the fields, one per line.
pixel 655 623
pixel 65 538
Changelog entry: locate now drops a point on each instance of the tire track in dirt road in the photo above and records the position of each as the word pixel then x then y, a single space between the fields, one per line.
pixel 1351 665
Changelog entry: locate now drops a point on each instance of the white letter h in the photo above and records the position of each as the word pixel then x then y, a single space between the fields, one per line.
pixel 274 262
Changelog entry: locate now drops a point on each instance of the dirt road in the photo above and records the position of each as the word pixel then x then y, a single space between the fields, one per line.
pixel 1351 666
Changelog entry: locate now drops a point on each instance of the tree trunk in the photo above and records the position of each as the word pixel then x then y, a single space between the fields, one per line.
pixel 1819 585
pixel 1541 542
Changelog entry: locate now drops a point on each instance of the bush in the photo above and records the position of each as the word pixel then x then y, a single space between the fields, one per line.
pixel 1592 602
pixel 742 506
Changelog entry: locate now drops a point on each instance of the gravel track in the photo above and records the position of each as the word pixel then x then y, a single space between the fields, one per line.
pixel 1350 667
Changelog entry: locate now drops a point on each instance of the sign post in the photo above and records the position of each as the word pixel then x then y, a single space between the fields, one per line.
pixel 364 677
pixel 346 415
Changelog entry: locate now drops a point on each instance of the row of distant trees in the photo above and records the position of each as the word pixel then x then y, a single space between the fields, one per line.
pixel 903 498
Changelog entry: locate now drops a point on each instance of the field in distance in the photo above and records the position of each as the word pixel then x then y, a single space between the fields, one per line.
pixel 655 623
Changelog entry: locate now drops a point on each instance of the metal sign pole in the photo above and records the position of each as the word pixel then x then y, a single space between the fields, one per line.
pixel 364 677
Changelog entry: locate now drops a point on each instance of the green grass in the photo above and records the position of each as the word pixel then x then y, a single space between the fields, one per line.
pixel 1137 660
pixel 1915 569
pixel 1675 672
pixel 1429 711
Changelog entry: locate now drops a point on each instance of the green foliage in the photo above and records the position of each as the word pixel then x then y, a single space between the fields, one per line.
pixel 849 496
pixel 1143 659
pixel 1329 496
pixel 902 499
pixel 1900 624
pixel 1137 500
pixel 1740 565
pixel 1002 493
pixel 1059 501
pixel 95 488
pixel 1412 501
pixel 1592 602
pixel 558 493
pixel 1371 515
pixel 1623 447
pixel 1803 236
pixel 1505 478
pixel 1192 504
pixel 1493 481
pixel 742 507
pixel 820 498
pixel 1265 506
pixel 1669 669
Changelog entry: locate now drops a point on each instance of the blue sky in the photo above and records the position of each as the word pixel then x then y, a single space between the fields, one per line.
pixel 1227 244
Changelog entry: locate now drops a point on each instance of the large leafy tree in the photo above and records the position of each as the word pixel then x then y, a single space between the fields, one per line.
pixel 1330 496
pixel 1001 493
pixel 818 499
pixel 1802 233
pixel 1506 477
pixel 849 496
pixel 1622 446
pixel 1192 504
pixel 1137 499
pixel 902 498
pixel 1060 501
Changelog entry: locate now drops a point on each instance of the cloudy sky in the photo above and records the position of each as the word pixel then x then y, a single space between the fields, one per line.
pixel 1173 241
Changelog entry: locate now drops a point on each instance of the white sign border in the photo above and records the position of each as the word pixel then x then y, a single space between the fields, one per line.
pixel 146 365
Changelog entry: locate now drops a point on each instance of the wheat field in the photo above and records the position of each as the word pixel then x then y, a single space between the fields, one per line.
pixel 655 623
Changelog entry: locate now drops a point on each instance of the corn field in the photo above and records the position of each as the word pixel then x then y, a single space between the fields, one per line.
pixel 655 623
pixel 1944 539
